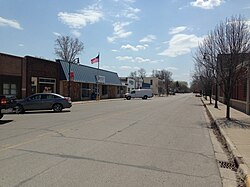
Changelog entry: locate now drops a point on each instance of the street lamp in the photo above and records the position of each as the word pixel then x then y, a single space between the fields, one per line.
pixel 77 61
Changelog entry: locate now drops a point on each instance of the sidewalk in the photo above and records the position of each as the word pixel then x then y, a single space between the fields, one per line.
pixel 236 133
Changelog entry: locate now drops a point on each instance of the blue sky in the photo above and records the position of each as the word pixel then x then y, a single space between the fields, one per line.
pixel 129 34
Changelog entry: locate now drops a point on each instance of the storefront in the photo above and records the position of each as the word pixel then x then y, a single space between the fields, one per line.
pixel 42 76
pixel 11 75
pixel 88 82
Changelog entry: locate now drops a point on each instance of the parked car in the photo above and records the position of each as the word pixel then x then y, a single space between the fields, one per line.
pixel 7 104
pixel 43 101
pixel 139 93
pixel 171 92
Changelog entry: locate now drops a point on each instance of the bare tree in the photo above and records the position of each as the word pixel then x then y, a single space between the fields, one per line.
pixel 232 40
pixel 204 66
pixel 196 85
pixel 205 77
pixel 133 74
pixel 222 54
pixel 210 60
pixel 142 73
pixel 67 48
pixel 164 75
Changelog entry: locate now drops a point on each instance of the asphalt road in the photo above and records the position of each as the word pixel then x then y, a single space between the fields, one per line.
pixel 162 141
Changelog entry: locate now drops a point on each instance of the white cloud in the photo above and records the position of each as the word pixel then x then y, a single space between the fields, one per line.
pixel 124 58
pixel 21 45
pixel 119 31
pixel 126 67
pixel 80 19
pixel 141 60
pixel 57 34
pixel 109 68
pixel 127 1
pixel 135 59
pixel 114 50
pixel 130 1
pixel 181 44
pixel 148 39
pixel 171 68
pixel 10 23
pixel 76 33
pixel 177 30
pixel 131 13
pixel 134 48
pixel 207 4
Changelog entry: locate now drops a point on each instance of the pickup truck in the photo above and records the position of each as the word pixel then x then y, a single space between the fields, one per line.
pixel 7 105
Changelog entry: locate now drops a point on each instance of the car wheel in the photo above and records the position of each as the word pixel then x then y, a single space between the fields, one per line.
pixel 1 115
pixel 57 107
pixel 145 97
pixel 19 109
pixel 129 97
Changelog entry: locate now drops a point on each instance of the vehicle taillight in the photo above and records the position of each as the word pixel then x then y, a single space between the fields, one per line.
pixel 3 101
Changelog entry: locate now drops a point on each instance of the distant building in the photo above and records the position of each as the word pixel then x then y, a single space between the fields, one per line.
pixel 156 84
pixel 129 84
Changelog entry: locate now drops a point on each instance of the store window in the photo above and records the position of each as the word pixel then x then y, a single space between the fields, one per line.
pixel 85 90
pixel 10 89
pixel 47 85
pixel 104 90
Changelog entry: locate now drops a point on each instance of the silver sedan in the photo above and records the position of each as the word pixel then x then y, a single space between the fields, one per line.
pixel 43 101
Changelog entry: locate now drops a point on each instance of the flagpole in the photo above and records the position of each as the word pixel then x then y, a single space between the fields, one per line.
pixel 98 95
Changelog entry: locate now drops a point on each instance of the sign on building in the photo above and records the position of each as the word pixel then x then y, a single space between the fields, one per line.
pixel 100 79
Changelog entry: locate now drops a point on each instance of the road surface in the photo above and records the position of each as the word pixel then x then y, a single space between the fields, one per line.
pixel 162 141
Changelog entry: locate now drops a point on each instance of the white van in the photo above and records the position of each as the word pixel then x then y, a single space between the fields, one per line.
pixel 139 93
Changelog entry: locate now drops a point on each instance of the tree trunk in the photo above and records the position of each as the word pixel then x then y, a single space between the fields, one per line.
pixel 228 106
pixel 228 111
pixel 216 95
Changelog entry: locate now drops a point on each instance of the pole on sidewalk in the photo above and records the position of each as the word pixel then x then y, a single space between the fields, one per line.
pixel 98 94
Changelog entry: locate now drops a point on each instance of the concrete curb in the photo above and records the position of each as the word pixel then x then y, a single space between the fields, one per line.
pixel 242 168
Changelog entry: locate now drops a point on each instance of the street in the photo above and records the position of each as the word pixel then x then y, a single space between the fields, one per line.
pixel 163 141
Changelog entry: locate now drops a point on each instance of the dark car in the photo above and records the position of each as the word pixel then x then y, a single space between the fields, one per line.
pixel 43 101
pixel 7 103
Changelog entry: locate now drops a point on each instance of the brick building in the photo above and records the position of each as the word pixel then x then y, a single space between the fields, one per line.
pixel 12 69
pixel 23 76
pixel 241 91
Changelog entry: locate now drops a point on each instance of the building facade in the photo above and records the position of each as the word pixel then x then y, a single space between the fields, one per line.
pixel 12 69
pixel 23 76
pixel 88 82
pixel 157 85
pixel 241 91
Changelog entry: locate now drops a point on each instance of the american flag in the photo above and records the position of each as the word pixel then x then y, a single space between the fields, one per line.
pixel 94 60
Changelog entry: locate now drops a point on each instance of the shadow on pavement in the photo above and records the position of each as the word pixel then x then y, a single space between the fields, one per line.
pixel 236 123
pixel 45 112
pixel 3 122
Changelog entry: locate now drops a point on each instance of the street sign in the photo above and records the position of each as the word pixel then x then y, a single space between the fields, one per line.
pixel 71 75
